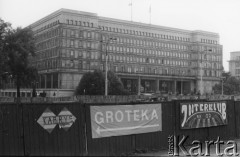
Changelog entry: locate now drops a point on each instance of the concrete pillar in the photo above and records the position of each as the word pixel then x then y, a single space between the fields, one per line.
pixel 139 85
pixel 45 83
pixel 175 87
pixel 157 85
pixel 40 82
pixel 51 80
pixel 59 80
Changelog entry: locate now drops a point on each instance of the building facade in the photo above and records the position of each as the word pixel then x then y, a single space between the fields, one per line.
pixel 147 58
pixel 234 63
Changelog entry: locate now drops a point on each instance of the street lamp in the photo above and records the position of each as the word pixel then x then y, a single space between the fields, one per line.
pixel 182 82
pixel 201 72
pixel 222 86
pixel 106 67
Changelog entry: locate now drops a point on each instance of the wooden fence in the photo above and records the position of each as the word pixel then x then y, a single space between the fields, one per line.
pixel 20 133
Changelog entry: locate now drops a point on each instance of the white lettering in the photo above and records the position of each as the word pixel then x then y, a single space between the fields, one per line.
pixel 109 115
pixel 184 111
pixel 189 110
pixel 224 110
pixel 201 107
pixel 136 116
pixel 101 119
pixel 219 107
pixel 154 114
pixel 128 112
pixel 210 107
pixel 121 116
pixel 205 107
pixel 144 114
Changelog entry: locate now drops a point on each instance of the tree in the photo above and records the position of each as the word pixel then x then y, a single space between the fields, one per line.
pixel 231 85
pixel 115 85
pixel 18 45
pixel 93 83
pixel 5 28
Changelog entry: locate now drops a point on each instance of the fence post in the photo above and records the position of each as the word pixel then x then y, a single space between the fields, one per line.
pixel 235 116
pixel 85 112
pixel 21 121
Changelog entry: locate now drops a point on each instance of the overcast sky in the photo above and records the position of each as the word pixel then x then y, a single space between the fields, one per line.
pixel 220 16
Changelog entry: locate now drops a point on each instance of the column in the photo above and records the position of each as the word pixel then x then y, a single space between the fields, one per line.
pixel 59 80
pixel 40 81
pixel 139 85
pixel 51 80
pixel 45 83
pixel 175 87
pixel 157 85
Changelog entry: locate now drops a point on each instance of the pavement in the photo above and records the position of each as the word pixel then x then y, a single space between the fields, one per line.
pixel 212 153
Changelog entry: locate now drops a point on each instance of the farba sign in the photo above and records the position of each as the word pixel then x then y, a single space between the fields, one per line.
pixel 120 120
pixel 203 114
pixel 48 120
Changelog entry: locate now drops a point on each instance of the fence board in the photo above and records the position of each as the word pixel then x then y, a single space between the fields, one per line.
pixel 157 140
pixel 237 118
pixel 193 134
pixel 225 131
pixel 21 135
pixel 11 140
pixel 58 142
pixel 108 146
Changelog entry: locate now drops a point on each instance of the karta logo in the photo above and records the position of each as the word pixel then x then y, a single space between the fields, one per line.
pixel 218 147
pixel 205 114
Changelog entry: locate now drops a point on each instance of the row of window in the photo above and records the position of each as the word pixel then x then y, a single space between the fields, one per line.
pixel 237 64
pixel 146 34
pixel 133 59
pixel 47 54
pixel 115 48
pixel 48 44
pixel 47 26
pixel 96 55
pixel 237 71
pixel 128 31
pixel 208 41
pixel 47 34
pixel 79 23
pixel 209 57
pixel 121 40
pixel 79 44
pixel 125 58
pixel 136 69
pixel 207 49
pixel 80 34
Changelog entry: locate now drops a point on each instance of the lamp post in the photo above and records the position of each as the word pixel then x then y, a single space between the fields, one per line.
pixel 182 82
pixel 106 67
pixel 201 72
pixel 222 86
pixel 201 82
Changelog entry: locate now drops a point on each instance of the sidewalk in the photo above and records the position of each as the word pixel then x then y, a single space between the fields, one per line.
pixel 164 153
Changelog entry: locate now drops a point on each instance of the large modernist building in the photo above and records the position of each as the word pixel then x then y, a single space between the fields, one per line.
pixel 147 58
pixel 234 63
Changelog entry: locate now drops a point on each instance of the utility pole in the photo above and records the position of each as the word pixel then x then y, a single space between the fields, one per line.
pixel 106 67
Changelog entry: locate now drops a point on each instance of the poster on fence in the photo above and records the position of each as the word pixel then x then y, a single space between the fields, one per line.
pixel 202 114
pixel 118 120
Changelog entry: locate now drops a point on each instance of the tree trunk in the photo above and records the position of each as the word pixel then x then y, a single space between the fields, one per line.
pixel 18 87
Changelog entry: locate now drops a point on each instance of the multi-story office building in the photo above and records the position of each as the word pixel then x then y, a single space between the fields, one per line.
pixel 234 63
pixel 147 58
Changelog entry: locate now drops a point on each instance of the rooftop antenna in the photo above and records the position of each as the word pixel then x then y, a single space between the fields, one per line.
pixel 130 4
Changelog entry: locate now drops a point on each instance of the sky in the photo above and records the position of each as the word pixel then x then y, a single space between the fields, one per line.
pixel 219 16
